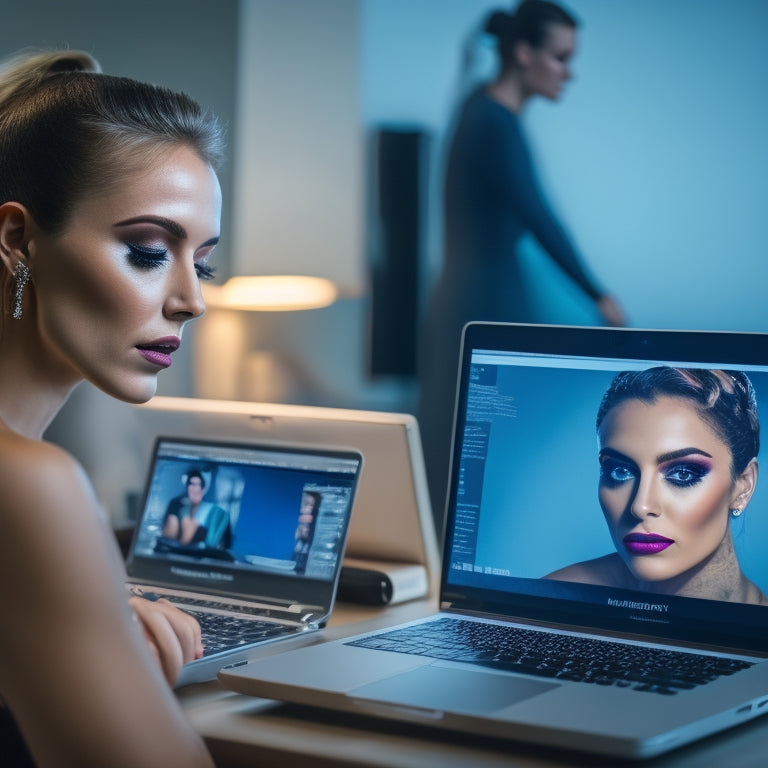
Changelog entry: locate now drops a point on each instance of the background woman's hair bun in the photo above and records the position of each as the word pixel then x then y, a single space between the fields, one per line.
pixel 498 24
pixel 529 22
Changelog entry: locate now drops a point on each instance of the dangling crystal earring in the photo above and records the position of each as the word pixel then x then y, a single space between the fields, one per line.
pixel 20 279
pixel 735 512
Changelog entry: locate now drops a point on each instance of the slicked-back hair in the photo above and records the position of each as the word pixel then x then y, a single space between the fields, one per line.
pixel 725 400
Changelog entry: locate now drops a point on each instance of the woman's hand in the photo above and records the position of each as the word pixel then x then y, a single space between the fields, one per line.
pixel 611 311
pixel 173 636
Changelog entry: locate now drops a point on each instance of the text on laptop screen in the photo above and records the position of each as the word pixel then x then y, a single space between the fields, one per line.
pixel 574 477
pixel 281 512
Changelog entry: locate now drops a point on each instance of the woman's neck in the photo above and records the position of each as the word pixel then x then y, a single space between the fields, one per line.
pixel 508 91
pixel 33 388
pixel 719 577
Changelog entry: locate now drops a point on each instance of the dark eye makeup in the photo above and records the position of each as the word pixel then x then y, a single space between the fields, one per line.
pixel 205 272
pixel 144 257
pixel 680 474
pixel 614 473
pixel 686 474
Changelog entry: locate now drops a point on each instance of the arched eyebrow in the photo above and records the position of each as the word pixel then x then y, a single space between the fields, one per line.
pixel 661 458
pixel 167 224
pixel 614 454
pixel 680 453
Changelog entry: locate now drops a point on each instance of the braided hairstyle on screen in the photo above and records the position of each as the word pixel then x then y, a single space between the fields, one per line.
pixel 725 400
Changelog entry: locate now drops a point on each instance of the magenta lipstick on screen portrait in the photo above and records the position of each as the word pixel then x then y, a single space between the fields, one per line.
pixel 646 543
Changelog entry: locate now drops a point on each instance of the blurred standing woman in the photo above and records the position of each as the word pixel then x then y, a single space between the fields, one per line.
pixel 491 200
pixel 109 212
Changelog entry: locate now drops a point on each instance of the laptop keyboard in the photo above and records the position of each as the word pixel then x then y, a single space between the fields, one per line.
pixel 220 632
pixel 564 657
pixel 226 625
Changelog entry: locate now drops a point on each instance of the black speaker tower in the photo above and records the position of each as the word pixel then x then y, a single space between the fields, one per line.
pixel 399 182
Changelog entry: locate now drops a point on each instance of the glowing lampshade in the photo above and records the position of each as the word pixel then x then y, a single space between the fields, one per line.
pixel 271 293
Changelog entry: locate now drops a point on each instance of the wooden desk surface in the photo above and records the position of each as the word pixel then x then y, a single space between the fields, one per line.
pixel 245 731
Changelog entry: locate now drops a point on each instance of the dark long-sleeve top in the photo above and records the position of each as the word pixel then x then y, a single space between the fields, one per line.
pixel 491 199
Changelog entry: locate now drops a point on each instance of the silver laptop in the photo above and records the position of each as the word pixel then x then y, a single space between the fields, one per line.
pixel 249 538
pixel 393 522
pixel 604 578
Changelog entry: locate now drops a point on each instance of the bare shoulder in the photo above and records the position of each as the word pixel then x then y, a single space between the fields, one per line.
pixel 55 539
pixel 755 595
pixel 21 458
pixel 64 584
pixel 42 485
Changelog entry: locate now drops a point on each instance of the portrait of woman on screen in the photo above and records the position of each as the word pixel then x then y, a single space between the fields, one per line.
pixel 678 464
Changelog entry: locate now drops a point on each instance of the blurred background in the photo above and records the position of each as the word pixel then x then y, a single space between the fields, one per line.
pixel 337 114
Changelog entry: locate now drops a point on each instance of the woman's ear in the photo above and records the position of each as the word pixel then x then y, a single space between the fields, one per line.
pixel 15 232
pixel 744 486
pixel 523 54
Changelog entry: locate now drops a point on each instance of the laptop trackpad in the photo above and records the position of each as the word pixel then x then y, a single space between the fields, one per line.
pixel 447 688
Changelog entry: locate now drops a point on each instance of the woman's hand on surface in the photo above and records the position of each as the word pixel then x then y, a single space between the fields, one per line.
pixel 173 636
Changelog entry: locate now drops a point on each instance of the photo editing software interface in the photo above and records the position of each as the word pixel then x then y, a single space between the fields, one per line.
pixel 251 508
pixel 580 474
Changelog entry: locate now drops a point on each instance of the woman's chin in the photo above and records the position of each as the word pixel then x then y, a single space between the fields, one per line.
pixel 135 391
pixel 647 572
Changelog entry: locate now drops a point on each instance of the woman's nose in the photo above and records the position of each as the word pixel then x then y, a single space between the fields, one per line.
pixel 644 503
pixel 185 298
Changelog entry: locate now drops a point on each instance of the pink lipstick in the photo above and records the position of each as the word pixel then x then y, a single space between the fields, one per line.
pixel 646 543
pixel 158 352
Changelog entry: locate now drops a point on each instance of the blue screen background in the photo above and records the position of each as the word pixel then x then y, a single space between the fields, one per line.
pixel 540 509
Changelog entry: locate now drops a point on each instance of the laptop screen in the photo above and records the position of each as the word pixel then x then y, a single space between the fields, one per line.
pixel 611 477
pixel 242 517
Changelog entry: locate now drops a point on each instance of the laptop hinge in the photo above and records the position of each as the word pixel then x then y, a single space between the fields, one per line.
pixel 310 616
pixel 603 633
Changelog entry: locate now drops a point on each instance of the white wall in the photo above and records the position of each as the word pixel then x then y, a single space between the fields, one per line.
pixel 655 156
pixel 299 172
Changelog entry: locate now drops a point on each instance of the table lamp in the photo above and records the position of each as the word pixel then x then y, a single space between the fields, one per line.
pixel 225 350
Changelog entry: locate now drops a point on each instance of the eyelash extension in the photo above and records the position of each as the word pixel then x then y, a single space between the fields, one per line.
pixel 146 258
pixel 151 258
pixel 205 272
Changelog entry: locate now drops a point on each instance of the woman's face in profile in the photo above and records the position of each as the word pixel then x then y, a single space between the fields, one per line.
pixel 665 486
pixel 548 67
pixel 115 288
